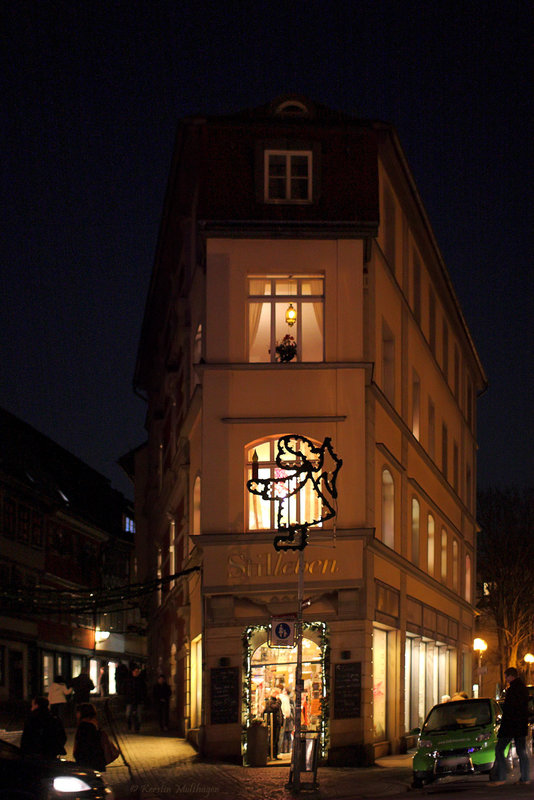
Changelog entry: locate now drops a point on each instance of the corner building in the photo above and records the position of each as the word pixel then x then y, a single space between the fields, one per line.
pixel 295 210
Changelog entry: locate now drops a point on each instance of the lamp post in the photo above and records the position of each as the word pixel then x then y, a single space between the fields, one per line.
pixel 529 659
pixel 480 646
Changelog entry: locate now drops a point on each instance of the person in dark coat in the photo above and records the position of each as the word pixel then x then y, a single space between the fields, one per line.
pixel 135 692
pixel 273 706
pixel 162 695
pixel 83 686
pixel 43 734
pixel 88 750
pixel 121 676
pixel 514 725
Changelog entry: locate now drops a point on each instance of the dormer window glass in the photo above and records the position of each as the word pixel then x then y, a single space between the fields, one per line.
pixel 288 176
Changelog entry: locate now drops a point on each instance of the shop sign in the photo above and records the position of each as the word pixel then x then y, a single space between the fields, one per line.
pixel 282 633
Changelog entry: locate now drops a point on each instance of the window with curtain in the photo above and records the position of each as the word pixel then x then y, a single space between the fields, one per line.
pixel 261 464
pixel 467 588
pixel 269 299
pixel 430 545
pixel 455 564
pixel 443 558
pixel 388 509
pixel 415 531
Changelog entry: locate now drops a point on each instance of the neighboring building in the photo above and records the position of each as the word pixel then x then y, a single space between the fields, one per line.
pixel 63 529
pixel 289 208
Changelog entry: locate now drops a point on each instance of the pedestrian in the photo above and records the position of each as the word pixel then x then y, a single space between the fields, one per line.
pixel 88 750
pixel 460 696
pixel 83 686
pixel 121 675
pixel 43 734
pixel 288 725
pixel 58 696
pixel 514 725
pixel 103 680
pixel 162 695
pixel 273 706
pixel 135 692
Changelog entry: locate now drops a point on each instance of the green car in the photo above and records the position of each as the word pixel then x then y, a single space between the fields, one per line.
pixel 457 738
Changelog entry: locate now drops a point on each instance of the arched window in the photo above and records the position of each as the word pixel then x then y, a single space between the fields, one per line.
pixel 455 564
pixel 196 506
pixel 388 509
pixel 468 578
pixel 443 559
pixel 415 531
pixel 430 547
pixel 302 505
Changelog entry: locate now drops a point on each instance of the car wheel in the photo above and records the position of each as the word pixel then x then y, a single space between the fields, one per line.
pixel 419 781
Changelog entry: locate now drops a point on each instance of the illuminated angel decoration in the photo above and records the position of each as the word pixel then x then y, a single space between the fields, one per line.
pixel 302 470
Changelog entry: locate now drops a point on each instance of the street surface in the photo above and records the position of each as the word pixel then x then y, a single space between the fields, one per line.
pixel 164 767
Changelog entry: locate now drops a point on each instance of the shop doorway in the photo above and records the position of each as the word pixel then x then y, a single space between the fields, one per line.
pixel 273 670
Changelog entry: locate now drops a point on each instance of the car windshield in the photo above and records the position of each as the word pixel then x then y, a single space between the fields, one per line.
pixel 458 715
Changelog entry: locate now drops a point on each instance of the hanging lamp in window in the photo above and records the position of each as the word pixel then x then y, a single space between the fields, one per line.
pixel 291 315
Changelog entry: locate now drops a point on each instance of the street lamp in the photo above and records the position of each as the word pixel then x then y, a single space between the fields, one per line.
pixel 529 659
pixel 480 646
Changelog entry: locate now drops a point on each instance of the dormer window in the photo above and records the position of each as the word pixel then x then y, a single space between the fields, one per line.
pixel 288 176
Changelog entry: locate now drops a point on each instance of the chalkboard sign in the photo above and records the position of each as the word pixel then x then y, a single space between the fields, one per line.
pixel 225 695
pixel 347 689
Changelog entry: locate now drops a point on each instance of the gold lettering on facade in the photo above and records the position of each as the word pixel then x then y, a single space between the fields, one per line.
pixel 239 566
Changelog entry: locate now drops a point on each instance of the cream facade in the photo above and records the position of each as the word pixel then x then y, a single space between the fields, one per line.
pixel 384 366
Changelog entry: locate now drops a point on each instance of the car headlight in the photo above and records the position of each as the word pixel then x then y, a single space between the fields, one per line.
pixel 425 742
pixel 69 783
pixel 483 737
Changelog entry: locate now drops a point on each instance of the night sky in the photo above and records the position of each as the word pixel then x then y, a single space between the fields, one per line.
pixel 91 95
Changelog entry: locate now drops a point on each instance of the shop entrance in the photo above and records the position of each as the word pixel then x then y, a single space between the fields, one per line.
pixel 272 671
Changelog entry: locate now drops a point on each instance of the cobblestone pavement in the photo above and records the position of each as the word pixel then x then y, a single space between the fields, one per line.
pixel 162 766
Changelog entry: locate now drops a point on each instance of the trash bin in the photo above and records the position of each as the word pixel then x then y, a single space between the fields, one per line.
pixel 257 745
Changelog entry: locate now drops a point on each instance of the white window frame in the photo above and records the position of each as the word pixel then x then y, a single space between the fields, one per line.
pixel 288 155
pixel 298 300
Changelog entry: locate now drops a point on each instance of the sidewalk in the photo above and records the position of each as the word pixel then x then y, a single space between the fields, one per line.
pixel 163 766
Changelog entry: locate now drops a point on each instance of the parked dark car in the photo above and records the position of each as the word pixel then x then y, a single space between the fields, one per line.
pixel 28 778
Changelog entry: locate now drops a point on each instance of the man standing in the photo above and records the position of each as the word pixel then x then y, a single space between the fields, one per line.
pixel 83 686
pixel 43 734
pixel 135 691
pixel 514 725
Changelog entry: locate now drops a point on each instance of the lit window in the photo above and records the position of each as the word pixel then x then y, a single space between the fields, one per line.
pixel 415 531
pixel 196 506
pixel 288 176
pixel 269 323
pixel 430 544
pixel 455 565
pixel 301 506
pixel 388 509
pixel 443 554
pixel 468 578
pixel 129 525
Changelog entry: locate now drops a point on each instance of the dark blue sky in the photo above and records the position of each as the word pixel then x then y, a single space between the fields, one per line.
pixel 92 92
